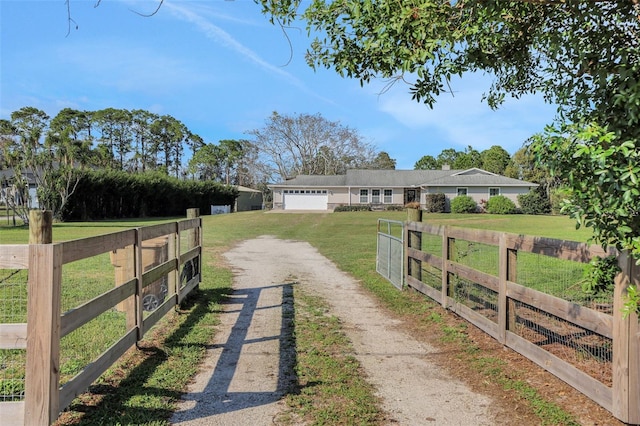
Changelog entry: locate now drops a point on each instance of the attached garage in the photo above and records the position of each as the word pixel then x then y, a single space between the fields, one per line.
pixel 309 199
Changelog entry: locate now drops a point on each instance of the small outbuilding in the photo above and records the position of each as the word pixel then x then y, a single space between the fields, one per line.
pixel 248 199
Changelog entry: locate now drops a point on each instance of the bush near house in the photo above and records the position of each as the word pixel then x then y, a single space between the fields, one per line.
pixel 463 204
pixel 500 205
pixel 435 203
pixel 394 208
pixel 558 196
pixel 534 203
pixel 354 208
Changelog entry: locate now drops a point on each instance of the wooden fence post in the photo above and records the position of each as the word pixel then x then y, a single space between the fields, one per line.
pixel 508 259
pixel 415 242
pixel 173 252
pixel 194 240
pixel 448 251
pixel 512 275
pixel 42 375
pixel 138 270
pixel 626 346
pixel 40 226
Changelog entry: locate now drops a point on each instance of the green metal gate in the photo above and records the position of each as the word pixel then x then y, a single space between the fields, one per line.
pixel 390 251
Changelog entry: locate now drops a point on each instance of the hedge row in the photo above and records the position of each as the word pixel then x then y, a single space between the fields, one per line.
pixel 115 194
pixel 353 208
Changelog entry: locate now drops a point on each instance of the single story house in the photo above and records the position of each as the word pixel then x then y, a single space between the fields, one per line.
pixel 380 188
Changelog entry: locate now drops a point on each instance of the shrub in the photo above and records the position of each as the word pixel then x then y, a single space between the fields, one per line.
pixel 463 204
pixel 500 205
pixel 435 203
pixel 558 196
pixel 394 207
pixel 354 208
pixel 534 203
pixel 600 274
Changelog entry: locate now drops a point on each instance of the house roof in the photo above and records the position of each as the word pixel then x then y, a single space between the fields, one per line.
pixel 9 174
pixel 405 178
pixel 315 181
pixel 475 177
pixel 241 188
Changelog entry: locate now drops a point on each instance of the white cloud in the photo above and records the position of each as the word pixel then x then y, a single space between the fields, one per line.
pixel 465 120
pixel 223 38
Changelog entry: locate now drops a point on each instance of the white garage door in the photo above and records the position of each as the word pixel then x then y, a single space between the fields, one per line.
pixel 305 200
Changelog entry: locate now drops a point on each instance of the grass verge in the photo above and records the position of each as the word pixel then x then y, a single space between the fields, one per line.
pixel 332 387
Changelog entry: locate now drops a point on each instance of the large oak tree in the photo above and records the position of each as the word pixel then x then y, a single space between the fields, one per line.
pixel 305 144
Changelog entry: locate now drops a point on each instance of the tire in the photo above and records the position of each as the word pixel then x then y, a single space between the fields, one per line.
pixel 150 302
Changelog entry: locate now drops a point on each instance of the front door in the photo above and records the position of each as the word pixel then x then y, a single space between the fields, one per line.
pixel 411 196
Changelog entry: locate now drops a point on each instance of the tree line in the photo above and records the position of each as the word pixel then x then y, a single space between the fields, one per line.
pixel 53 151
pixel 546 198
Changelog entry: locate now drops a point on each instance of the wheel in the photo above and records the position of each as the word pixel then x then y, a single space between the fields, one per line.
pixel 188 271
pixel 150 302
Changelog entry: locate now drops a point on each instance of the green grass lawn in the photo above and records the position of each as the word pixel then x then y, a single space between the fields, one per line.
pixel 349 239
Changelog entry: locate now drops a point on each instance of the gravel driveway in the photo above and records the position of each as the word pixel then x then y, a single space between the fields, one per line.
pixel 247 369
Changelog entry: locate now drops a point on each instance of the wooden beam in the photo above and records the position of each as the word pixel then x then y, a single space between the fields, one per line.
pixel 43 334
pixel 626 344
pixel 13 336
pixel 92 246
pixel 14 256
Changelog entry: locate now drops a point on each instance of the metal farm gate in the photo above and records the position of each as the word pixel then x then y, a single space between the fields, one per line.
pixel 390 252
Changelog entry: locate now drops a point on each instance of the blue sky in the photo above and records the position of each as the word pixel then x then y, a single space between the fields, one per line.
pixel 221 68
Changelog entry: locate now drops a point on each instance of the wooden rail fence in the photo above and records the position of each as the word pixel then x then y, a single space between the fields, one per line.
pixel 620 394
pixel 178 268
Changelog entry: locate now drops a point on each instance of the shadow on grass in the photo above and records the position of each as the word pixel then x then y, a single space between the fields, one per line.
pixel 127 401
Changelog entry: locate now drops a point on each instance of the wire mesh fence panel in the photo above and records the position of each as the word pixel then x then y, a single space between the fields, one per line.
pixel 475 296
pixel 191 267
pixel 432 244
pixel 13 310
pixel 482 257
pixel 12 374
pixel 560 278
pixel 431 276
pixel 86 279
pixel 13 296
pixel 83 345
pixel 582 348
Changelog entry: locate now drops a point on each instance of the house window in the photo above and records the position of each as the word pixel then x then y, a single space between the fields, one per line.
pixel 388 196
pixel 375 196
pixel 493 192
pixel 462 191
pixel 364 196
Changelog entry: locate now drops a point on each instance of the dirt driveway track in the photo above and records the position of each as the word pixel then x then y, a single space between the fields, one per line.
pixel 250 365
